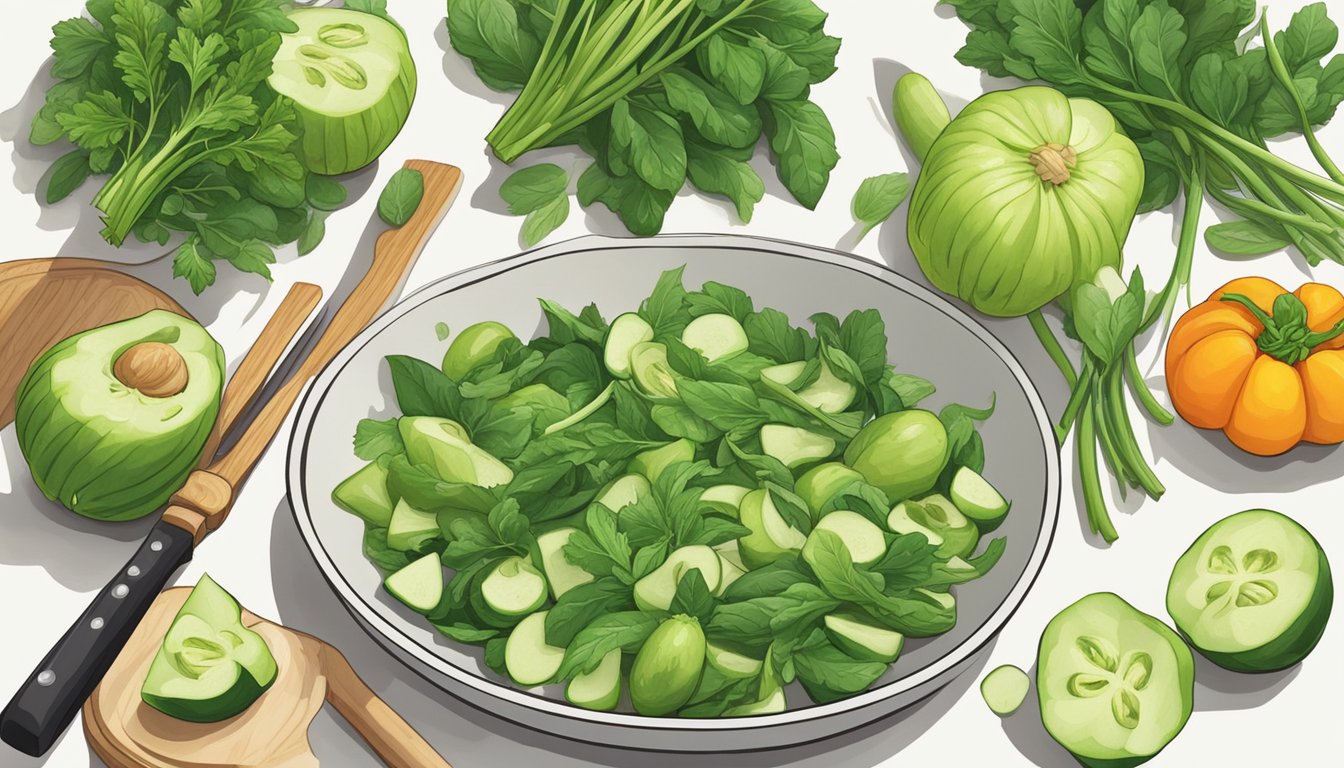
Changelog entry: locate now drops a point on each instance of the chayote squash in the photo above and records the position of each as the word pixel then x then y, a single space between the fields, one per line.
pixel 1023 195
pixel 112 420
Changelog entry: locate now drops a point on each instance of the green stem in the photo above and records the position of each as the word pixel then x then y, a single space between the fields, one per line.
pixel 1249 208
pixel 1077 399
pixel 1090 479
pixel 1280 71
pixel 1185 249
pixel 1052 346
pixel 1106 438
pixel 1145 396
pixel 1125 440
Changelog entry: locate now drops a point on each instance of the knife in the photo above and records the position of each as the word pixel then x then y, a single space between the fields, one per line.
pixel 48 700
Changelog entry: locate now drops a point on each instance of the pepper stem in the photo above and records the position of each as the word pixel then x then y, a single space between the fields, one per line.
pixel 1286 336
pixel 1053 161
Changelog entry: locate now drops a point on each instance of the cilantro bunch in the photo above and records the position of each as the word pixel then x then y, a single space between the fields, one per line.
pixel 657 92
pixel 1201 99
pixel 169 98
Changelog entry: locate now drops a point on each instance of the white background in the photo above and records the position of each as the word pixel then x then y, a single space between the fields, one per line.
pixel 52 562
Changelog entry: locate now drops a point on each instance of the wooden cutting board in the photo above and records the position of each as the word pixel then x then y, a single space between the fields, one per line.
pixel 272 733
pixel 43 301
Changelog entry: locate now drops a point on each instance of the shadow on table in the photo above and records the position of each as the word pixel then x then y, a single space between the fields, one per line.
pixel 469 737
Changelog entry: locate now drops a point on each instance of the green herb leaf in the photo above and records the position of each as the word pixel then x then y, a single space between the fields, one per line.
pixel 373 438
pixel 804 145
pixel 716 115
pixel 650 143
pixel 877 198
pixel 401 197
pixel 713 171
pixel 1246 238
pixel 66 175
pixel 692 597
pixel 626 630
pixel 533 188
pixel 737 69
pixel 577 608
pixel 488 33
pixel 545 220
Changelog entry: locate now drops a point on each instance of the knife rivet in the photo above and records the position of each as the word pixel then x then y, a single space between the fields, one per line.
pixel 133 571
pixel 120 591
pixel 97 623
pixel 155 546
pixel 46 678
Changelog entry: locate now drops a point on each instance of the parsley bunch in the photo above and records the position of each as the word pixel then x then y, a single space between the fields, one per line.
pixel 657 92
pixel 169 97
pixel 1200 99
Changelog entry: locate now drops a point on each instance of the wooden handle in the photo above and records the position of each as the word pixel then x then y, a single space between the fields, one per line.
pixel 393 255
pixel 251 374
pixel 395 741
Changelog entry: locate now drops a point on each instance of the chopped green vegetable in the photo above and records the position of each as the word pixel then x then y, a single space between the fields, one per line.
pixel 1004 689
pixel 401 197
pixel 539 192
pixel 877 198
pixel 603 512
pixel 657 92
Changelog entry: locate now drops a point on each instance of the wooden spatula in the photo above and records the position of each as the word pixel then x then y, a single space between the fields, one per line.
pixel 272 733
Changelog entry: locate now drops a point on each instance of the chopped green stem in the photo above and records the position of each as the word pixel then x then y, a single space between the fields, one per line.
pixel 1077 398
pixel 1052 347
pixel 1249 208
pixel 1281 73
pixel 1126 442
pixel 1110 450
pixel 1141 391
pixel 1093 500
pixel 1185 250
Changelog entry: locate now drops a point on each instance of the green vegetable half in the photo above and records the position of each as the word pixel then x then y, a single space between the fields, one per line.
pixel 112 420
pixel 352 80
pixel 1026 193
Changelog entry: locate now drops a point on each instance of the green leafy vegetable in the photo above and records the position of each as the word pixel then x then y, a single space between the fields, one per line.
pixel 401 196
pixel 877 198
pixel 539 193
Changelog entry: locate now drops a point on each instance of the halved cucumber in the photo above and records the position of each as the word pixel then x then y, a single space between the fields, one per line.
pixel 784 373
pixel 730 662
pixel 651 371
pixel 561 574
pixel 600 689
pixel 588 410
pixel 410 528
pixel 861 537
pixel 856 636
pixel 527 657
pixel 1004 689
pixel 771 537
pixel 651 463
pixel 656 590
pixel 514 587
pixel 623 491
pixel 820 484
pixel 829 393
pixel 443 444
pixel 626 331
pixel 724 499
pixel 1253 593
pixel 978 500
pixel 1115 685
pixel 472 346
pixel 364 494
pixel 418 585
pixel 936 517
pixel 716 336
pixel 730 554
pixel 795 446
pixel 730 569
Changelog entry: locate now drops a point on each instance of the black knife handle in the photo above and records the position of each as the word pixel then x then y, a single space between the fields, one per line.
pixel 50 697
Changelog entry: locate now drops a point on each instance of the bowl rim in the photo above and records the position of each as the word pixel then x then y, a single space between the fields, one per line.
pixel 372 619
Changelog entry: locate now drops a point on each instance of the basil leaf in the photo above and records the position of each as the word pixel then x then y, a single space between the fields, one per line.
pixel 401 197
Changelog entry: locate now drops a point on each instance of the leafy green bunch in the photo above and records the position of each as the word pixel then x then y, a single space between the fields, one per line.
pixel 1200 99
pixel 169 98
pixel 657 92
pixel 774 611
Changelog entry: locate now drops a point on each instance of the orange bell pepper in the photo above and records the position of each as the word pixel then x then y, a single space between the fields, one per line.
pixel 1263 365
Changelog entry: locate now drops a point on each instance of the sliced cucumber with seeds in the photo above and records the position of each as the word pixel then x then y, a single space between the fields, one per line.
pixel 600 689
pixel 418 585
pixel 561 574
pixel 857 636
pixel 1115 684
pixel 716 336
pixel 527 657
pixel 1253 593
pixel 514 587
pixel 795 446
pixel 863 539
pixel 656 590
pixel 410 529
pixel 651 463
pixel 936 517
pixel 626 331
pixel 978 500
pixel 365 494
pixel 623 491
pixel 1004 689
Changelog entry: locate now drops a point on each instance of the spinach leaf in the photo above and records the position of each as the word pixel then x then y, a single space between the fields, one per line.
pixel 373 438
pixel 401 196
pixel 626 630
pixel 877 198
pixel 578 607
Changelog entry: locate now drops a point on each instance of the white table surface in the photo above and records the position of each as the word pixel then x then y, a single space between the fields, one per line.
pixel 52 562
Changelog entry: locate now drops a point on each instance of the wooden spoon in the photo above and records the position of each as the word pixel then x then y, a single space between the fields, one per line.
pixel 272 733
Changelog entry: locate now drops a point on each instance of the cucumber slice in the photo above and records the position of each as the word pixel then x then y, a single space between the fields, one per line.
pixel 1115 685
pixel 626 331
pixel 820 484
pixel 861 537
pixel 651 463
pixel 829 393
pixel 724 499
pixel 1253 593
pixel 978 500
pixel 772 704
pixel 731 663
pixel 1004 689
pixel 514 587
pixel 418 585
pixel 443 445
pixel 588 410
pixel 548 406
pixel 730 570
pixel 624 491
pixel 771 537
pixel 716 336
pixel 600 689
pixel 795 446
pixel 561 574
pixel 364 494
pixel 785 373
pixel 527 657
pixel 856 636
pixel 473 346
pixel 952 532
pixel 410 529
pixel 729 553
pixel 651 371
pixel 655 591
